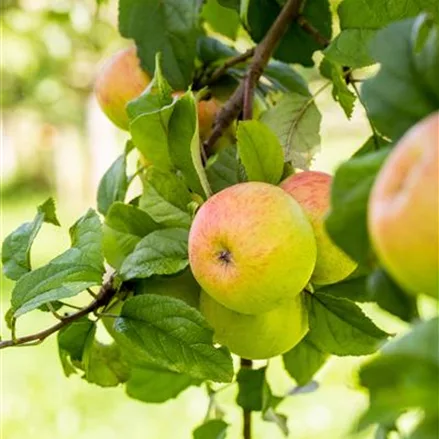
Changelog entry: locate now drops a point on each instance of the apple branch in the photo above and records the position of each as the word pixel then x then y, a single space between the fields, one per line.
pixel 246 414
pixel 103 297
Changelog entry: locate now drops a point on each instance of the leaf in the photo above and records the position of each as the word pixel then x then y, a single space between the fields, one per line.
pixel 221 19
pixel 285 78
pixel 339 327
pixel 403 92
pixel 250 387
pixel 222 169
pixel 269 404
pixel 213 429
pixel 113 185
pixel 184 144
pixel 391 297
pixel 354 289
pixel 66 275
pixel 17 246
pixel 346 221
pixel 359 22
pixel 296 122
pixel 259 15
pixel 72 341
pixel 161 252
pixel 153 385
pixel 169 27
pixel 303 361
pixel 210 50
pixel 165 198
pixel 124 227
pixel 173 335
pixel 260 152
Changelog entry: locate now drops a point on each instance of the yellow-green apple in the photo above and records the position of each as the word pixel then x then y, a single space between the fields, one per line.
pixel 312 190
pixel 120 80
pixel 251 247
pixel 403 210
pixel 259 336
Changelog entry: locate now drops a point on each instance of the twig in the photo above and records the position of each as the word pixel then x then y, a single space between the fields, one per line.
pixel 230 63
pixel 246 414
pixel 311 30
pixel 102 298
pixel 262 54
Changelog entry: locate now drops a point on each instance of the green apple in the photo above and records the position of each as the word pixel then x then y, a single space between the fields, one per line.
pixel 403 215
pixel 312 190
pixel 251 247
pixel 257 336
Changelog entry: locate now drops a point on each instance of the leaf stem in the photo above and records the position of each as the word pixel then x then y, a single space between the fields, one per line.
pixel 246 414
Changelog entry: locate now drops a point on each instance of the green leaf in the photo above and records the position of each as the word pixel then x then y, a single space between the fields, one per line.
pixel 303 361
pixel 153 385
pixel 391 297
pixel 66 275
pixel 259 15
pixel 285 78
pixel 125 225
pixel 72 341
pixel 213 429
pixel 359 22
pixel 161 252
pixel 170 27
pixel 403 92
pixel 269 404
pixel 340 90
pixel 184 144
pixel 222 169
pixel 173 335
pixel 250 387
pixel 346 221
pixel 113 186
pixel 260 152
pixel 16 246
pixel 339 327
pixel 210 50
pixel 354 289
pixel 221 19
pixel 296 122
pixel 165 198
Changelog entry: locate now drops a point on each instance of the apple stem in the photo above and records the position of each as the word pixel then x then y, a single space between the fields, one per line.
pixel 246 414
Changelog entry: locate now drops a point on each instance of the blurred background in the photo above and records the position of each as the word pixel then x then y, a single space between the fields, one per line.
pixel 56 142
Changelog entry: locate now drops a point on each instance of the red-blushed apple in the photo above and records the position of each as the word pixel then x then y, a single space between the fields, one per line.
pixel 404 209
pixel 312 190
pixel 120 80
pixel 251 247
pixel 259 336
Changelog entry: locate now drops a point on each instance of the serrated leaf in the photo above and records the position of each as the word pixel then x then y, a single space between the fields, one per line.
pixel 170 27
pixel 303 361
pixel 68 274
pixel 354 289
pixel 260 152
pixel 346 221
pixel 184 144
pixel 250 388
pixel 296 122
pixel 113 185
pixel 403 91
pixel 173 335
pixel 165 198
pixel 213 429
pixel 161 252
pixel 339 327
pixel 153 385
pixel 17 246
pixel 222 169
pixel 221 19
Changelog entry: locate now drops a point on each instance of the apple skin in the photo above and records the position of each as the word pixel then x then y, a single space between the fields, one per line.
pixel 312 190
pixel 120 80
pixel 261 336
pixel 403 210
pixel 251 247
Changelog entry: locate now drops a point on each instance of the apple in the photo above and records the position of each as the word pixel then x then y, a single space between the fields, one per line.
pixel 259 336
pixel 251 247
pixel 120 80
pixel 312 190
pixel 403 214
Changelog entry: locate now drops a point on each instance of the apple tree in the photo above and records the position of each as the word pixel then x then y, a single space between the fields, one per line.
pixel 234 250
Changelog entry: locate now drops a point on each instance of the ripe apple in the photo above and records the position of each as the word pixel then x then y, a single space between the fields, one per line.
pixel 251 247
pixel 403 210
pixel 120 80
pixel 312 190
pixel 259 336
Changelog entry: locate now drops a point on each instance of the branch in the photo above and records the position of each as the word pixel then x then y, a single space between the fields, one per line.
pixel 263 52
pixel 230 63
pixel 246 414
pixel 311 30
pixel 102 298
